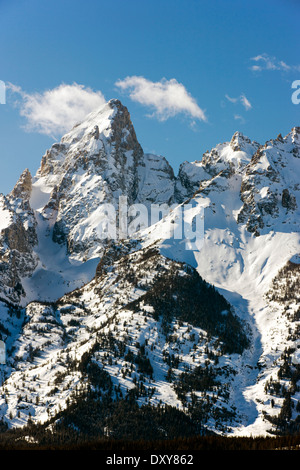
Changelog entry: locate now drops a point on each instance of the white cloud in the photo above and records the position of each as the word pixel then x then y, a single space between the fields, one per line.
pixel 266 62
pixel 56 111
pixel 166 98
pixel 245 102
pixel 240 99
pixel 240 118
pixel 232 100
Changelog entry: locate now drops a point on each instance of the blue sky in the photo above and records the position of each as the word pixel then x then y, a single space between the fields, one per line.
pixel 191 72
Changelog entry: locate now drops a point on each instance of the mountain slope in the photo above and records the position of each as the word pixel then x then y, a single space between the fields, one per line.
pixel 126 336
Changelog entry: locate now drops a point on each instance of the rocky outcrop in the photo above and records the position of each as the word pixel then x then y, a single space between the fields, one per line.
pixel 288 200
pixel 17 239
pixel 223 161
pixel 19 200
pixel 270 187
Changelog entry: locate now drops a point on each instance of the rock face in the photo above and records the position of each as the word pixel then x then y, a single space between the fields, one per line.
pixel 17 239
pixel 288 200
pixel 19 199
pixel 270 185
pixel 224 160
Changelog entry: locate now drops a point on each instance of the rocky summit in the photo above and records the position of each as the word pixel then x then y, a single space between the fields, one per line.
pixel 151 334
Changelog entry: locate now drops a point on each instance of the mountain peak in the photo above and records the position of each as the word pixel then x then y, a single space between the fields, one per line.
pixel 238 140
pixel 115 103
pixel 23 186
pixel 107 127
pixel 295 134
pixel 99 160
pixel 110 123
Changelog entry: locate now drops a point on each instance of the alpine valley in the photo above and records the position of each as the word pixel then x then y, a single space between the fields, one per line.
pixel 150 336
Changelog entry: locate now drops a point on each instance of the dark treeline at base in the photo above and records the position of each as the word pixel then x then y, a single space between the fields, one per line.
pixel 183 445
pixel 121 426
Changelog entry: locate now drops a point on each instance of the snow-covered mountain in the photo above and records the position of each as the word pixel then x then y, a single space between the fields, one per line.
pixel 63 208
pixel 245 262
pixel 98 161
pixel 207 328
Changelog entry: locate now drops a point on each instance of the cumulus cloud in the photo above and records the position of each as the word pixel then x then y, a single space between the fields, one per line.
pixel 267 62
pixel 56 111
pixel 166 98
pixel 240 99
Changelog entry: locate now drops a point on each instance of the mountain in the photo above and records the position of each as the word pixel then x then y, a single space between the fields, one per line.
pixel 178 317
pixel 99 160
pixel 61 207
